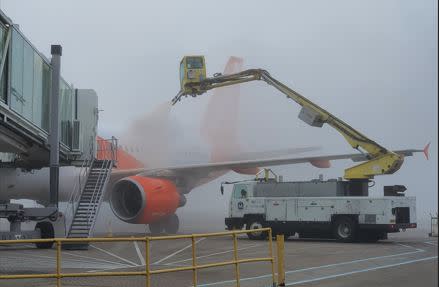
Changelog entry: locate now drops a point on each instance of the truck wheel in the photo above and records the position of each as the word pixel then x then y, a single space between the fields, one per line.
pixel 289 234
pixel 256 224
pixel 47 231
pixel 305 235
pixel 171 224
pixel 344 229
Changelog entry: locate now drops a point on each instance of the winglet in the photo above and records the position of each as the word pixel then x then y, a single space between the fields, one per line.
pixel 425 150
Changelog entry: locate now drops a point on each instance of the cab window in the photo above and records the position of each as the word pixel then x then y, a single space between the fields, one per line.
pixel 240 191
pixel 194 63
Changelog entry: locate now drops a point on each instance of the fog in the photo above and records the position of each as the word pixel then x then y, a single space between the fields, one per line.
pixel 371 63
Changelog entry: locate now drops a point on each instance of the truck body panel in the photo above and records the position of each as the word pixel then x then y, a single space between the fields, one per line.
pixel 301 207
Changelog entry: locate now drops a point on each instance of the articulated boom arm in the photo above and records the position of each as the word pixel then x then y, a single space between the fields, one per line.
pixel 381 160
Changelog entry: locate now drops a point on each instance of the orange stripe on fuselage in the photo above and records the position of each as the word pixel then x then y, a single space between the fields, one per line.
pixel 124 159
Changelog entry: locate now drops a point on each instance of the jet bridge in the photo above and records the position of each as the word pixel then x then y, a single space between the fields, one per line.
pixel 46 122
pixel 25 89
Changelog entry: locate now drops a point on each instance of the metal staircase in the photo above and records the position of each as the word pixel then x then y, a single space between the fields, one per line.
pixel 91 199
pixel 86 199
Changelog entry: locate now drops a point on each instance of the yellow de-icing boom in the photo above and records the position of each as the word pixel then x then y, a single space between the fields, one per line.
pixel 194 82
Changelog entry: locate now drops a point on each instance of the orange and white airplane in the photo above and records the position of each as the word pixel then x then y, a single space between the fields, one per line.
pixel 139 194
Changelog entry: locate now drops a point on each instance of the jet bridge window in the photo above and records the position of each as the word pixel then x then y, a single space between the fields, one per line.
pixel 29 82
pixel 3 86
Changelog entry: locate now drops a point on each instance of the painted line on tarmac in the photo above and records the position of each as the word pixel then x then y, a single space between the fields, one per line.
pixel 314 268
pixel 49 262
pixel 411 247
pixel 96 259
pixel 114 255
pixel 434 243
pixel 139 254
pixel 213 254
pixel 52 259
pixel 359 271
pixel 178 251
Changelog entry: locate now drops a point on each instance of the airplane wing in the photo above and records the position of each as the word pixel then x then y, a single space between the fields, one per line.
pixel 198 174
pixel 188 177
pixel 230 165
pixel 272 153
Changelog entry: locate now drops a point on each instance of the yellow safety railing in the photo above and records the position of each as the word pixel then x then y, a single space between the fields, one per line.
pixel 148 272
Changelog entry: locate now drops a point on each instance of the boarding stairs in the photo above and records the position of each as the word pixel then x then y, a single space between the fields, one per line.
pixel 85 205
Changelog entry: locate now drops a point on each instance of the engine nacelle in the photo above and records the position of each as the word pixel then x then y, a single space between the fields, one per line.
pixel 141 200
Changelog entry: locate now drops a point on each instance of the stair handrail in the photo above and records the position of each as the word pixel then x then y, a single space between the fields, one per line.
pixel 108 156
pixel 97 200
pixel 97 186
pixel 75 196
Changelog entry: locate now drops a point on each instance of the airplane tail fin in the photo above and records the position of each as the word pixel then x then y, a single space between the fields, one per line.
pixel 220 122
pixel 426 151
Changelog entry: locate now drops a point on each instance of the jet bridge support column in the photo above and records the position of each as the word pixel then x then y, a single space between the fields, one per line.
pixel 56 51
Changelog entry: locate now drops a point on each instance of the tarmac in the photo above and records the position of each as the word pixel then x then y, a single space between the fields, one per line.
pixel 405 259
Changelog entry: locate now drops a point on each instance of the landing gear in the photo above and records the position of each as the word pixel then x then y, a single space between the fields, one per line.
pixel 169 225
pixel 47 231
pixel 156 227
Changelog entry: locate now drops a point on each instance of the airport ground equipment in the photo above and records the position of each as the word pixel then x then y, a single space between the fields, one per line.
pixel 16 214
pixel 147 271
pixel 380 160
pixel 90 199
pixel 320 209
pixel 86 198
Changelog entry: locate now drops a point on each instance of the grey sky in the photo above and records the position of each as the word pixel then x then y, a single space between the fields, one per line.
pixel 372 63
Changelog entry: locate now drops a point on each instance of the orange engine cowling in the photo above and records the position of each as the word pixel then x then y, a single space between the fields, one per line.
pixel 142 200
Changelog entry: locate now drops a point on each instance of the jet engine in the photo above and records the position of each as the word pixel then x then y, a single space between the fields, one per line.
pixel 144 200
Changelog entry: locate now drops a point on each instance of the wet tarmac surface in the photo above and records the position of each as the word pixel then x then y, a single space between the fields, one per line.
pixel 403 260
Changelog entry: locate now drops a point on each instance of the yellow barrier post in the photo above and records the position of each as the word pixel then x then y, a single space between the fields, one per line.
pixel 235 255
pixel 58 263
pixel 148 273
pixel 194 262
pixel 270 250
pixel 280 260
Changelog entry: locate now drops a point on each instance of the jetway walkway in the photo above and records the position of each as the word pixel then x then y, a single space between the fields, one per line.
pixel 46 122
pixel 25 90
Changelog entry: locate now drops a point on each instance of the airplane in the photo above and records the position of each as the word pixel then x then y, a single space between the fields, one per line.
pixel 150 194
